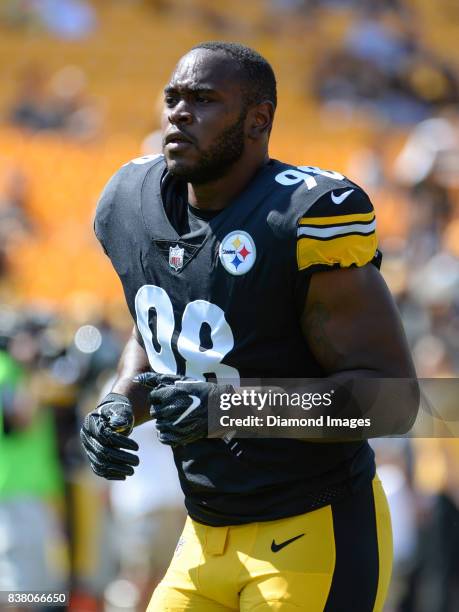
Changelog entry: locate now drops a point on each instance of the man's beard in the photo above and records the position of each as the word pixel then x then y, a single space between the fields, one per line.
pixel 214 163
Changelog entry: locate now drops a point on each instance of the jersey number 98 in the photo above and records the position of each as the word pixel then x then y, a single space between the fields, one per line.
pixel 159 346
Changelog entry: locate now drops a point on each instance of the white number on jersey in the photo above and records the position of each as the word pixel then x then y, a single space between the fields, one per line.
pixel 306 174
pixel 198 361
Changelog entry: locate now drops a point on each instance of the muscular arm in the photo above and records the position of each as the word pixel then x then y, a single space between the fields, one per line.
pixel 352 325
pixel 133 361
pixel 354 331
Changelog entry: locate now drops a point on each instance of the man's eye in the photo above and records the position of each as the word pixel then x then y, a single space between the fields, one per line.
pixel 202 99
pixel 170 100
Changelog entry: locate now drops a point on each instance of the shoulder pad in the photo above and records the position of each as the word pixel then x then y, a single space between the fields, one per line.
pixel 145 159
pixel 338 230
pixel 118 194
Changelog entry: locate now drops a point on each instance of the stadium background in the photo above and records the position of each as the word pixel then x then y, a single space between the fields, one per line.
pixel 368 88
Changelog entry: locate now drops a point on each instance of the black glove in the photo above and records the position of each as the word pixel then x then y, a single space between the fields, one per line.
pixel 105 431
pixel 179 405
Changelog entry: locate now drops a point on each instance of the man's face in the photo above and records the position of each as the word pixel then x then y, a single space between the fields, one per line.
pixel 203 118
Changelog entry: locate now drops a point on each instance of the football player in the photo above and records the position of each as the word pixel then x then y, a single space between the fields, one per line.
pixel 235 265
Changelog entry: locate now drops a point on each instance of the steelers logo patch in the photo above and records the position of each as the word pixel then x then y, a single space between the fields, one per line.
pixel 237 252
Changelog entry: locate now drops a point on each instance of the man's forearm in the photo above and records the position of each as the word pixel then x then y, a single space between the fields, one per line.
pixel 133 361
pixel 346 406
pixel 389 405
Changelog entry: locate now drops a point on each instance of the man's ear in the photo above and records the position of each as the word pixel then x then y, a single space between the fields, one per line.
pixel 260 120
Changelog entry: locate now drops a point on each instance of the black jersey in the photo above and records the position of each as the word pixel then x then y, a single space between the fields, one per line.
pixel 223 299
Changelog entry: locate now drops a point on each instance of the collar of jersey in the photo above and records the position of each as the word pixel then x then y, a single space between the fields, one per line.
pixel 231 218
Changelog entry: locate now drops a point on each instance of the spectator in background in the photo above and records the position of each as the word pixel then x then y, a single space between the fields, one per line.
pixel 379 40
pixel 31 108
pixel 395 458
pixel 148 516
pixel 60 103
pixel 19 14
pixel 76 113
pixel 32 546
pixel 444 532
pixel 429 142
pixel 57 363
pixel 340 79
pixel 15 223
pixel 426 167
pixel 382 66
pixel 68 19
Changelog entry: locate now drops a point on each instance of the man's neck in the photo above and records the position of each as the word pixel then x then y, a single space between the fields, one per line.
pixel 220 193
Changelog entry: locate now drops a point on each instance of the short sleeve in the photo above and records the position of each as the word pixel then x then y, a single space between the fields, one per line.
pixel 337 231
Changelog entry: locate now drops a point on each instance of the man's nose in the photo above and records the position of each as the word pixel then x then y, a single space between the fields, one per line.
pixel 180 114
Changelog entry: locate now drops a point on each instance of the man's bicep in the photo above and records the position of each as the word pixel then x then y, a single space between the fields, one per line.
pixel 350 322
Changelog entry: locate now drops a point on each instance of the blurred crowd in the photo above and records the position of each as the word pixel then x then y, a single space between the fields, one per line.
pixel 65 19
pixel 56 103
pixel 109 543
pixel 60 527
pixel 383 67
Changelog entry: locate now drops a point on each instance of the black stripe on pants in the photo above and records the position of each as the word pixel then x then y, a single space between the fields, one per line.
pixel 355 579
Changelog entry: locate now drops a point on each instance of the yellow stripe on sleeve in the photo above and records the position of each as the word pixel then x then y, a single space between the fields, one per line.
pixel 344 250
pixel 338 219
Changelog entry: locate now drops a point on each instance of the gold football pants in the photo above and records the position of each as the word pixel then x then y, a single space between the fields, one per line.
pixel 335 559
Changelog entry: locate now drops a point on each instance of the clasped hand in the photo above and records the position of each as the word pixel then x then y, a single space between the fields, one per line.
pixel 179 406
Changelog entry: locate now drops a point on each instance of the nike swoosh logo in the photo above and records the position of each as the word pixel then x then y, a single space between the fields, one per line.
pixel 195 402
pixel 339 199
pixel 277 547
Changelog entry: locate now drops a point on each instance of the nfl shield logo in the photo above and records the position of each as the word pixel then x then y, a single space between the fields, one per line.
pixel 176 257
